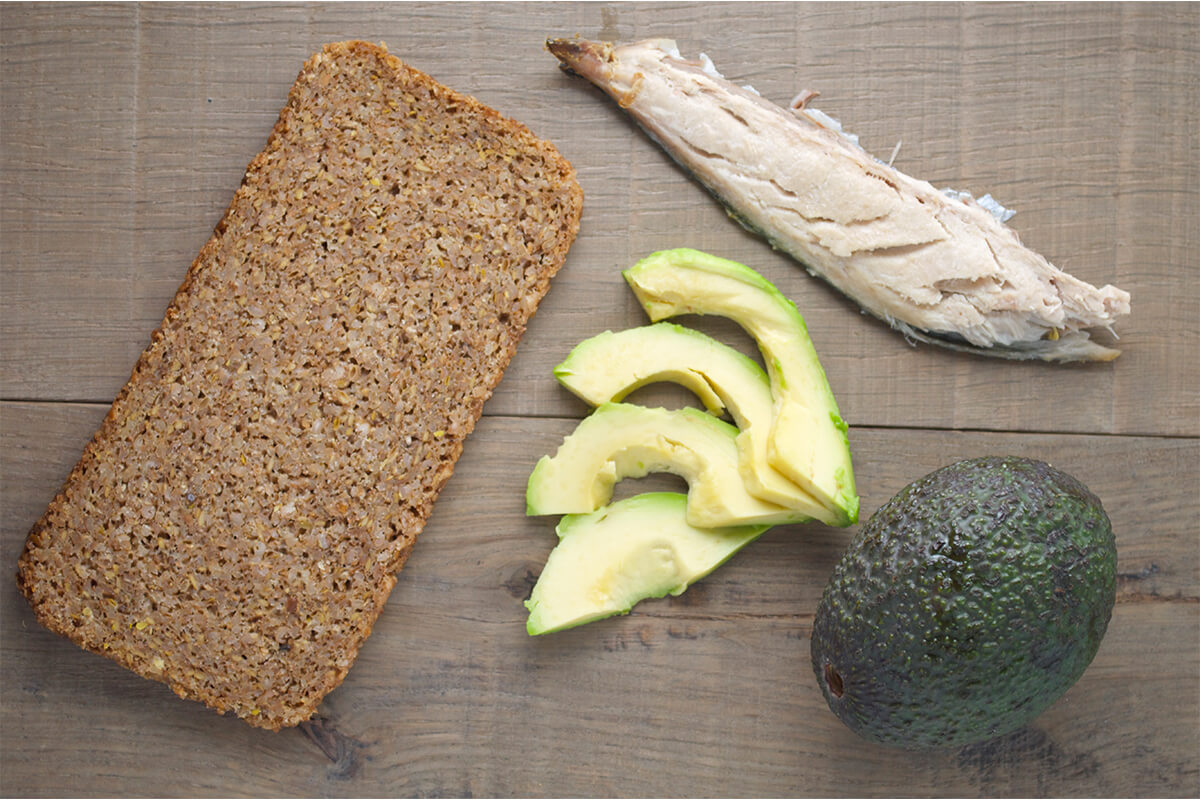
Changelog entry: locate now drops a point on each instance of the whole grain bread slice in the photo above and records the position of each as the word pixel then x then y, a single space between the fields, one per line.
pixel 234 527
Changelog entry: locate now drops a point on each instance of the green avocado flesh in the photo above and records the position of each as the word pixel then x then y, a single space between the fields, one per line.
pixel 621 440
pixel 967 605
pixel 607 367
pixel 609 560
pixel 808 440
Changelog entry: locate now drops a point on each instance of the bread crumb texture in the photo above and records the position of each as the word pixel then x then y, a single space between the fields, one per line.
pixel 235 526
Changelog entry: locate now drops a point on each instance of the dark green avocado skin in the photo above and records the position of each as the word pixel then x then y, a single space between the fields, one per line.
pixel 966 605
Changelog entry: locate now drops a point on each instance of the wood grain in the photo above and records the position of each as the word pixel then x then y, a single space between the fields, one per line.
pixel 124 130
pixel 1083 118
pixel 450 696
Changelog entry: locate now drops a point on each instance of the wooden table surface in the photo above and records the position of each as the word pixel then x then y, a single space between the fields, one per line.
pixel 124 131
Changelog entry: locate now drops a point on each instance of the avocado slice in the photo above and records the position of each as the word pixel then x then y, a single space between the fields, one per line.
pixel 966 605
pixel 638 548
pixel 608 366
pixel 808 440
pixel 622 440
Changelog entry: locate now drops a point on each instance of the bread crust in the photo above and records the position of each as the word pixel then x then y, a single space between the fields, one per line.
pixel 236 600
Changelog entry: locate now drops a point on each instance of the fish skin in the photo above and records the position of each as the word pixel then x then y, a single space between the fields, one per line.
pixel 939 270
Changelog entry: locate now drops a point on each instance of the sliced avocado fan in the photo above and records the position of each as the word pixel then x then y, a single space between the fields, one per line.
pixel 788 459
pixel 609 366
pixel 808 441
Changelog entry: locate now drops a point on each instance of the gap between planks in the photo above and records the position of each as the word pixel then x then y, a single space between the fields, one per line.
pixel 555 417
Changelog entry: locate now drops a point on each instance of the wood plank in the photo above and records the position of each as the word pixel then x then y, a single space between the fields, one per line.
pixel 125 131
pixel 450 696
pixel 1082 117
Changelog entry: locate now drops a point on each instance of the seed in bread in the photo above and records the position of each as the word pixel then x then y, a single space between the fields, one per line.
pixel 234 527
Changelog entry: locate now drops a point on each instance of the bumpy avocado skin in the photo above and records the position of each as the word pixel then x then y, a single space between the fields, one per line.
pixel 967 605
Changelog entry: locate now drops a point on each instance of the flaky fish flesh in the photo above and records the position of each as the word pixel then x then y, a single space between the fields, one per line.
pixel 940 267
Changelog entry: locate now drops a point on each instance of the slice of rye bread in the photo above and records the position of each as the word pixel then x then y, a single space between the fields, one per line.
pixel 235 526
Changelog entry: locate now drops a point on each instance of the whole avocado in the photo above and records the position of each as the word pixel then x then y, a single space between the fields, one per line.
pixel 967 605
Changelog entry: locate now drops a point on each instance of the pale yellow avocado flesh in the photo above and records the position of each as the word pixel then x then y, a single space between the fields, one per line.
pixel 622 440
pixel 607 367
pixel 639 548
pixel 808 441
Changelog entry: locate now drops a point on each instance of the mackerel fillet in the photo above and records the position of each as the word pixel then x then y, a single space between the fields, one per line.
pixel 938 267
